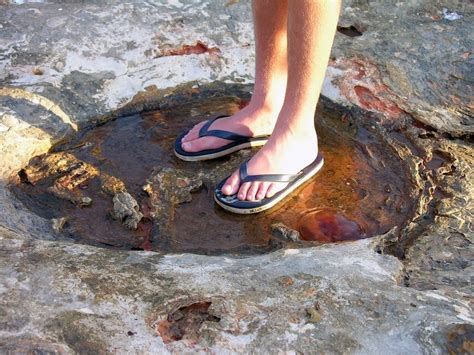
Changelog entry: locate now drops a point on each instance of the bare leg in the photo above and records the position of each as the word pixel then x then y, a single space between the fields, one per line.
pixel 293 144
pixel 259 117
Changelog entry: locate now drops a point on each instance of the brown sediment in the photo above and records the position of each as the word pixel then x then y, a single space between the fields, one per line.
pixel 329 226
pixel 362 190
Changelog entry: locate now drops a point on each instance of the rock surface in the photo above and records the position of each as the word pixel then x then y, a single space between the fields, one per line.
pixel 66 66
pixel 126 209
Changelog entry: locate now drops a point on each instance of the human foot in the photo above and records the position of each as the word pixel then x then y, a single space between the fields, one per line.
pixel 251 121
pixel 286 152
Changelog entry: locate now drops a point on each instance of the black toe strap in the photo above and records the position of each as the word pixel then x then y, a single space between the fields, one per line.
pixel 205 132
pixel 245 177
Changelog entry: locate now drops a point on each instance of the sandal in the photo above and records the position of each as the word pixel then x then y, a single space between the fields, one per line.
pixel 238 142
pixel 233 204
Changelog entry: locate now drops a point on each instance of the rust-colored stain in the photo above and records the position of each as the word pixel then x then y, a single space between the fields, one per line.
pixel 186 49
pixel 369 101
pixel 360 82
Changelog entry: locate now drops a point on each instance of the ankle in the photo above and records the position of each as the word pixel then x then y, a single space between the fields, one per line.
pixel 270 104
pixel 300 131
pixel 306 141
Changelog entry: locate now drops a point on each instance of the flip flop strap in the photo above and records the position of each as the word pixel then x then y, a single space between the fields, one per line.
pixel 205 132
pixel 245 177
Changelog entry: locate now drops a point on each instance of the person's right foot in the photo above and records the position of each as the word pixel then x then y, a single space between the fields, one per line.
pixel 250 121
pixel 286 152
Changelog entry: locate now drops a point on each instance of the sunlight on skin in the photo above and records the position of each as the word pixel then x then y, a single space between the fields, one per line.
pixel 310 27
pixel 271 70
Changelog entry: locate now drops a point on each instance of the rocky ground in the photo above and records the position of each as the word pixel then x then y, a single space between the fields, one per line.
pixel 406 67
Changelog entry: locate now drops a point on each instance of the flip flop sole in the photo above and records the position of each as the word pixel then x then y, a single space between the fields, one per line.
pixel 284 193
pixel 220 153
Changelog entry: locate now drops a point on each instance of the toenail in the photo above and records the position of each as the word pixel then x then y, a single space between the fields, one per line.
pixel 186 145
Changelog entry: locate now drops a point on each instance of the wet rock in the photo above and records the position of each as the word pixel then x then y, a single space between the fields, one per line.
pixel 281 231
pixel 69 171
pixel 76 197
pixel 111 184
pixel 168 188
pixel 76 175
pixel 126 210
pixel 61 174
pixel 437 248
pixel 58 224
pixel 329 226
pixel 85 201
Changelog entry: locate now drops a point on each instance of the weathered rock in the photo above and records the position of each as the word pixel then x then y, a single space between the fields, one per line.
pixel 111 184
pixel 281 231
pixel 117 292
pixel 126 210
pixel 440 254
pixel 58 224
pixel 395 66
pixel 461 339
pixel 389 68
pixel 69 171
pixel 314 313
pixel 61 174
pixel 168 188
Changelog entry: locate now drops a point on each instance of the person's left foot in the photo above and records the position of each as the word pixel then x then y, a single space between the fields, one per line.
pixel 251 121
pixel 287 152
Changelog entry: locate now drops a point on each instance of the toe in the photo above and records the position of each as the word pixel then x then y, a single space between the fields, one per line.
pixel 274 188
pixel 262 190
pixel 193 133
pixel 196 145
pixel 231 186
pixel 244 188
pixel 187 146
pixel 252 192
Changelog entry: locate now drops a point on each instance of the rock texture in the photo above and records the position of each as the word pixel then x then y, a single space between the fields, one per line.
pixel 126 209
pixel 67 66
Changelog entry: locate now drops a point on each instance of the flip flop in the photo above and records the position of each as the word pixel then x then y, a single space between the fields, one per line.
pixel 238 142
pixel 233 204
